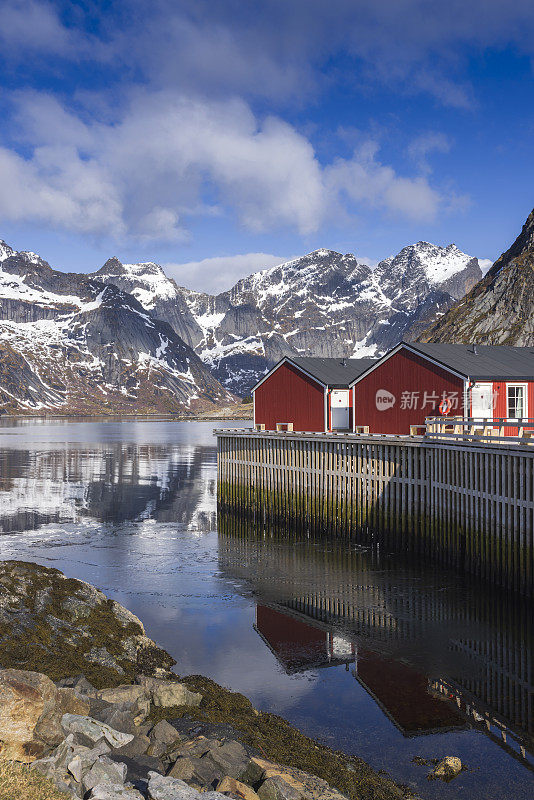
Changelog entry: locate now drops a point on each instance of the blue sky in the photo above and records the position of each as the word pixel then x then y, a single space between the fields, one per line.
pixel 218 138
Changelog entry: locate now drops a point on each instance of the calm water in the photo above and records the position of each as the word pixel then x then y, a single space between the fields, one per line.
pixel 362 650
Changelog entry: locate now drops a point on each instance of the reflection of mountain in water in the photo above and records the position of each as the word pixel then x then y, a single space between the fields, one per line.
pixel 413 641
pixel 111 483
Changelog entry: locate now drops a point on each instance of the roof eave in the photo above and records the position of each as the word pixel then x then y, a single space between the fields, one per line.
pixel 495 378
pixel 284 360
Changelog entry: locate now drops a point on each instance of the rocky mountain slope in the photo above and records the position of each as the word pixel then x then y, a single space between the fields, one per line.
pixel 323 304
pixel 157 293
pixel 128 338
pixel 498 310
pixel 69 343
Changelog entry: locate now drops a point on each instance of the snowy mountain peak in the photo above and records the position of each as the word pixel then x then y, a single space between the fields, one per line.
pixel 33 258
pixel 69 341
pixel 423 267
pixel 322 253
pixel 26 256
pixel 112 265
pixel 324 303
pixel 146 280
pixel 5 250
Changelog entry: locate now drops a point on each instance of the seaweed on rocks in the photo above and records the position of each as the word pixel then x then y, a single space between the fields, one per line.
pixel 65 627
pixel 277 740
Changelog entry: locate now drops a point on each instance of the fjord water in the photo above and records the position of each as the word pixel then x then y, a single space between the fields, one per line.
pixel 371 654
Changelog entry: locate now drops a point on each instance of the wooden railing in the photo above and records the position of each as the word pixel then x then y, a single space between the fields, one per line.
pixel 472 429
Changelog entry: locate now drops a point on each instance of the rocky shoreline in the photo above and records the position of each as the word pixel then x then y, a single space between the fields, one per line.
pixel 90 702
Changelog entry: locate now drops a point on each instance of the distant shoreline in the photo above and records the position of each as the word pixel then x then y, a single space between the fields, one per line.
pixel 146 415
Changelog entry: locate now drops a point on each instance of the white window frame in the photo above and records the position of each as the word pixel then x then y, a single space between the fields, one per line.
pixel 523 386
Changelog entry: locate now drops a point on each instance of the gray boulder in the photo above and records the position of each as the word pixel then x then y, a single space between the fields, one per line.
pixel 93 730
pixel 277 788
pixel 129 693
pixel 120 718
pixel 114 791
pixel 137 747
pixel 104 770
pixel 164 732
pixel 166 694
pixel 167 788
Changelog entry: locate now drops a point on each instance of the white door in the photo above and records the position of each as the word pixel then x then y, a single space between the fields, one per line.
pixel 482 401
pixel 339 404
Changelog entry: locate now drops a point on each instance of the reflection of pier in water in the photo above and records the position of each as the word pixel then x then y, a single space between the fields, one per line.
pixel 457 641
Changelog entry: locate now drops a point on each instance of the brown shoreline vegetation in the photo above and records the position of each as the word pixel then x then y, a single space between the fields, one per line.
pixel 234 411
pixel 67 629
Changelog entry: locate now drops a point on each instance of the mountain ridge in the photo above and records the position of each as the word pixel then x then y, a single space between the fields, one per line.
pixel 286 309
pixel 70 343
pixel 498 309
pixel 324 303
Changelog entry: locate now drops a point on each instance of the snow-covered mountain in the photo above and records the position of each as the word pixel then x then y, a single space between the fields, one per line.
pixel 70 343
pixel 65 332
pixel 157 293
pixel 323 304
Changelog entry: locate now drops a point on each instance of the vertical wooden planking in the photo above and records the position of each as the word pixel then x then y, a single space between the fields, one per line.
pixel 468 504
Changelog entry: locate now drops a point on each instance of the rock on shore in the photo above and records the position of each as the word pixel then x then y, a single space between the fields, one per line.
pixel 64 627
pixel 133 758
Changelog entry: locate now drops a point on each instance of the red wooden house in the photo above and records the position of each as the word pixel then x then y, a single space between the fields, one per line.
pixel 312 394
pixel 414 381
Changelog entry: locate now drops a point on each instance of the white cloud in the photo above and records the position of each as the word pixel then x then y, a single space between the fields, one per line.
pixel 58 188
pixel 168 157
pixel 485 264
pixel 426 144
pixel 364 180
pixel 217 274
pixel 277 50
pixel 33 26
pixel 30 29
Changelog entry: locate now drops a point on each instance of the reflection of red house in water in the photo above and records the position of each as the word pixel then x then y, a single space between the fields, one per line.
pixel 402 693
pixel 400 690
pixel 299 646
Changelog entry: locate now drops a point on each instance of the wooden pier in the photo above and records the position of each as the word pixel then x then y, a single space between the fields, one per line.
pixel 467 504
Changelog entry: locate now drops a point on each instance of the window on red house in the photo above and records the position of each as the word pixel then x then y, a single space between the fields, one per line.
pixel 516 396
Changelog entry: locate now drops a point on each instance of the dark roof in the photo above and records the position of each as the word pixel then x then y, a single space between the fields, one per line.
pixel 333 371
pixel 482 361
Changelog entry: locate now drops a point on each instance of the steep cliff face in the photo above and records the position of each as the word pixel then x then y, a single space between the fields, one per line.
pixel 31 290
pixel 157 293
pixel 73 344
pixel 499 309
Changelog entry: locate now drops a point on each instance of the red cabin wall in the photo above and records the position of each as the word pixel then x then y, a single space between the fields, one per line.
pixel 404 372
pixel 500 410
pixel 288 395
